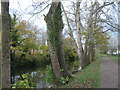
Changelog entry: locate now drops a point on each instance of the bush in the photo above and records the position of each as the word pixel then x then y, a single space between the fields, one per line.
pixel 28 63
pixel 49 75
pixel 64 80
pixel 71 57
pixel 70 54
pixel 26 83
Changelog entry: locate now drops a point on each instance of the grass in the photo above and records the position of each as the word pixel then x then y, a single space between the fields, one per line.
pixel 115 58
pixel 89 77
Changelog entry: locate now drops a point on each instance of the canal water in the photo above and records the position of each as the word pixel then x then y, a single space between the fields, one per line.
pixel 38 77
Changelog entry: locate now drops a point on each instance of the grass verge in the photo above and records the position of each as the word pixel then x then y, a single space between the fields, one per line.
pixel 89 77
pixel 115 58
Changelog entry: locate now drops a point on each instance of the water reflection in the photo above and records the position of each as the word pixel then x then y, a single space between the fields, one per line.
pixel 37 77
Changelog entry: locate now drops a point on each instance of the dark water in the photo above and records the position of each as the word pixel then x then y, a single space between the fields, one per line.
pixel 36 77
pixel 39 78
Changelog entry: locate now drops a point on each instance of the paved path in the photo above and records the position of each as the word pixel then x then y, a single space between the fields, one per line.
pixel 109 73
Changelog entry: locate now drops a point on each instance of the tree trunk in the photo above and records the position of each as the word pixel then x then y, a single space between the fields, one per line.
pixel 0 54
pixel 61 57
pixel 54 59
pixel 93 53
pixel 79 37
pixel 88 38
pixel 71 34
pixel 55 27
pixel 6 77
pixel 90 52
pixel 70 29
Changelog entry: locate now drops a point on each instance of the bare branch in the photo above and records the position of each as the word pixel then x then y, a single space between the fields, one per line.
pixel 99 8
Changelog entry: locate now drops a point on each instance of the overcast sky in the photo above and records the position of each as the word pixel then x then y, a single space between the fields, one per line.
pixel 20 7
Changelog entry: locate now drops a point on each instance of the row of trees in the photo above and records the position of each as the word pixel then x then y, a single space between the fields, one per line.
pixel 90 35
pixel 25 43
pixel 86 32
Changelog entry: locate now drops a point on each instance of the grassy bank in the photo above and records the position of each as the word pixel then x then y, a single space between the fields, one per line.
pixel 115 58
pixel 88 77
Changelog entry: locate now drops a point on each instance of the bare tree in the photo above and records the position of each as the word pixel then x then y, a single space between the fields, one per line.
pixel 79 34
pixel 92 19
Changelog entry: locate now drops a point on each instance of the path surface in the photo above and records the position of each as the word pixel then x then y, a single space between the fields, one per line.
pixel 109 73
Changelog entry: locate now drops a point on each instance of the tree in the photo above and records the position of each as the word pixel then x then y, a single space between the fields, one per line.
pixel 6 77
pixel 87 23
pixel 55 43
pixel 113 44
pixel 79 35
pixel 69 28
pixel 54 59
pixel 0 53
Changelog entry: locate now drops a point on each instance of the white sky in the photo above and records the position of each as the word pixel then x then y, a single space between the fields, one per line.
pixel 21 5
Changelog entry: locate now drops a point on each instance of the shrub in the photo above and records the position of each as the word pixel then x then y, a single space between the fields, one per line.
pixel 49 75
pixel 26 83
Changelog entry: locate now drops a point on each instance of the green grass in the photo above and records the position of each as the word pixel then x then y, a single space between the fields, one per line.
pixel 89 77
pixel 115 58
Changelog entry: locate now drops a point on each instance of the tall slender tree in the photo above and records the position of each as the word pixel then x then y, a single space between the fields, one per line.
pixel 79 35
pixel 6 77
pixel 0 55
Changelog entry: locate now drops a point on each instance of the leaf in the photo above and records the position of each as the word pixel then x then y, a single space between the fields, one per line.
pixel 24 75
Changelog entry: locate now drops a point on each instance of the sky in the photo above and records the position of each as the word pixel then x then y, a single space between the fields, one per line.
pixel 22 7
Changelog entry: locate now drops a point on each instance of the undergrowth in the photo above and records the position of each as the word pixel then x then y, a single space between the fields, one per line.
pixel 89 77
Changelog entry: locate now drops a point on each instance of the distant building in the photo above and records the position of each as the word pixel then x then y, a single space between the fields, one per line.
pixel 114 53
